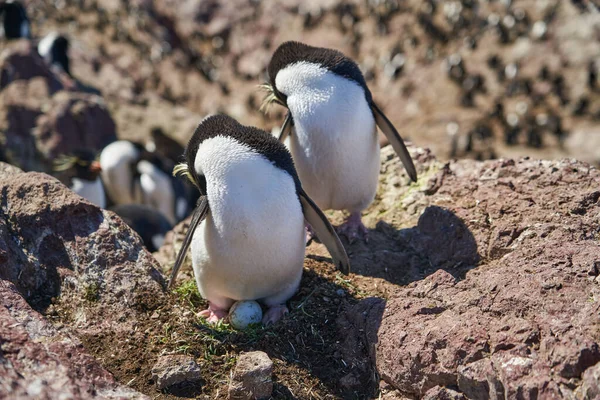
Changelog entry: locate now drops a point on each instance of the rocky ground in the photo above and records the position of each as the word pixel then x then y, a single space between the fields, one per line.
pixel 479 281
pixel 477 79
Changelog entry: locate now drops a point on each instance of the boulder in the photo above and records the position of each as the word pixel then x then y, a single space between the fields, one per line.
pixel 39 361
pixel 36 126
pixel 20 61
pixel 62 255
pixel 522 321
pixel 74 121
pixel 21 103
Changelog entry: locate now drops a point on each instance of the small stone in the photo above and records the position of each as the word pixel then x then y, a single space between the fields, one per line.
pixel 173 369
pixel 440 392
pixel 349 381
pixel 251 378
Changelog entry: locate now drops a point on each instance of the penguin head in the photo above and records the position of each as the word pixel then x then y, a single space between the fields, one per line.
pixel 255 139
pixel 290 53
pixel 81 164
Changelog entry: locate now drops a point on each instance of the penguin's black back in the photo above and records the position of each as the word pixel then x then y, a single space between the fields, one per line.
pixel 292 52
pixel 260 141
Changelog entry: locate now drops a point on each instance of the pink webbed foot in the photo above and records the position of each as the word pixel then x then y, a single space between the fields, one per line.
pixel 353 228
pixel 213 314
pixel 274 314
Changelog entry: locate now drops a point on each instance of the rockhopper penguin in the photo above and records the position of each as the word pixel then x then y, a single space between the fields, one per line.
pixel 132 175
pixel 247 232
pixel 331 123
pixel 84 174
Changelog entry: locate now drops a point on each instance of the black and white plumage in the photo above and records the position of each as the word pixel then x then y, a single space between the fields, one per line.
pixel 150 224
pixel 83 172
pixel 247 233
pixel 132 175
pixel 54 49
pixel 331 125
pixel 14 20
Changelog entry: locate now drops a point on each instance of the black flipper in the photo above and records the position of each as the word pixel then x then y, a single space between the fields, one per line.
pixel 325 232
pixel 198 216
pixel 394 138
pixel 286 128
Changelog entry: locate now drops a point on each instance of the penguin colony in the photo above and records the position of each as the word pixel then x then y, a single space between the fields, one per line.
pixel 255 197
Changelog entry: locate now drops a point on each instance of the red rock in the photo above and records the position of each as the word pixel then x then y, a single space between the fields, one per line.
pixel 41 362
pixel 20 61
pixel 74 121
pixel 53 242
pixel 521 322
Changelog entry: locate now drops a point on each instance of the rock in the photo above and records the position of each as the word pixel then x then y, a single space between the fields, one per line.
pixel 174 369
pixel 74 121
pixel 442 393
pixel 521 321
pixel 35 126
pixel 39 361
pixel 251 378
pixel 590 389
pixel 61 254
pixel 21 103
pixel 358 326
pixel 20 61
pixel 477 380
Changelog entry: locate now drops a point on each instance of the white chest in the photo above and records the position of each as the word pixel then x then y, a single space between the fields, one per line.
pixel 334 142
pixel 90 190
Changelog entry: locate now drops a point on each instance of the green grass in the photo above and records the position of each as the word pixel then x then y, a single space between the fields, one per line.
pixel 187 293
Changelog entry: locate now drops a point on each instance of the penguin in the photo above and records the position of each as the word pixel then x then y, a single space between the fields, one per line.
pixel 15 20
pixel 163 144
pixel 247 233
pixel 150 224
pixel 54 49
pixel 331 125
pixel 83 171
pixel 132 175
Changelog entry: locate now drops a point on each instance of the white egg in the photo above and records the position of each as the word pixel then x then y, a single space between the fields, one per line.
pixel 244 313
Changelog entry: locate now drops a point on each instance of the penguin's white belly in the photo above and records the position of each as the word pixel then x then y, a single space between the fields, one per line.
pixel 339 174
pixel 247 267
pixel 251 245
pixel 334 143
pixel 92 191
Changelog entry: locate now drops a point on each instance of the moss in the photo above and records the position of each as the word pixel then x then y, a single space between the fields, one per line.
pixel 91 292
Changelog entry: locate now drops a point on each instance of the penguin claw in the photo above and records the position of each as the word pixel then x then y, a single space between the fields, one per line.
pixel 274 314
pixel 213 314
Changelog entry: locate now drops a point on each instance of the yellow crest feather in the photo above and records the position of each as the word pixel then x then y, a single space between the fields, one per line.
pixel 63 163
pixel 269 99
pixel 182 169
